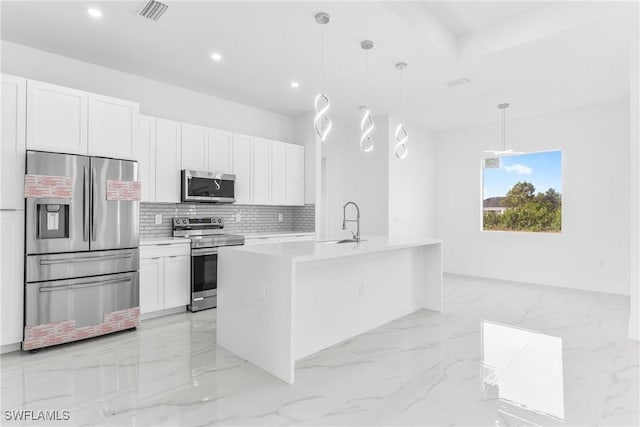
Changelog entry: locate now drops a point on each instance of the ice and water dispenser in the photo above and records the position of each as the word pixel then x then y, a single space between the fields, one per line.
pixel 52 221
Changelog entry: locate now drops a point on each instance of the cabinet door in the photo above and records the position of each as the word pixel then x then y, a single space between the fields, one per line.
pixel 12 149
pixel 11 275
pixel 151 285
pixel 220 151
pixel 56 118
pixel 278 173
pixel 242 167
pixel 167 161
pixel 147 157
pixel 295 174
pixel 261 173
pixel 195 153
pixel 113 127
pixel 177 281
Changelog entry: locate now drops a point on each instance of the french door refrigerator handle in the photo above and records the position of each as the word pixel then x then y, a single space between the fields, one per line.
pixel 73 260
pixel 85 202
pixel 94 225
pixel 90 284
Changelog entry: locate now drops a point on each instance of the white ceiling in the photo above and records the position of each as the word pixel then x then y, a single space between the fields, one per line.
pixel 538 56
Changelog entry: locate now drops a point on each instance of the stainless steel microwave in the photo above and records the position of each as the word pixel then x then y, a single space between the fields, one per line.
pixel 207 187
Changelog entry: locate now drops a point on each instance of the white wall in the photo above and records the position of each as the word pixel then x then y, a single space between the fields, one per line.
pixel 155 98
pixel 412 184
pixel 357 176
pixel 592 252
pixel 634 114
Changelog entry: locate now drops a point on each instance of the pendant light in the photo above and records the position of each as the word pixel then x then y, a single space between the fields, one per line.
pixel 503 151
pixel 366 123
pixel 401 135
pixel 322 122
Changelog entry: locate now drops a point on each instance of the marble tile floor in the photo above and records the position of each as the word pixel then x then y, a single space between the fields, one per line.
pixel 500 354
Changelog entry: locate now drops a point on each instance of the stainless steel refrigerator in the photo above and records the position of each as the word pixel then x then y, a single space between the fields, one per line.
pixel 81 244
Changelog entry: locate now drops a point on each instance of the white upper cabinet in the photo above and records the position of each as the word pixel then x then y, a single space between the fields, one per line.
pixel 220 151
pixel 147 157
pixel 168 153
pixel 12 149
pixel 278 173
pixel 195 148
pixel 295 174
pixel 243 167
pixel 261 176
pixel 113 127
pixel 56 118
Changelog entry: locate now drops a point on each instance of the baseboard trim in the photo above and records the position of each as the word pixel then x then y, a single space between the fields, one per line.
pixel 165 312
pixel 8 348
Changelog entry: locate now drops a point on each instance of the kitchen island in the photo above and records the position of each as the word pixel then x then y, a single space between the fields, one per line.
pixel 278 303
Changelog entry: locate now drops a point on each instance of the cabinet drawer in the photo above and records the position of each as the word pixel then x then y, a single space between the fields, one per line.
pixel 165 250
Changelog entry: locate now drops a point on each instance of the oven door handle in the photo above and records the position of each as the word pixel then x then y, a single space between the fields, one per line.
pixel 204 251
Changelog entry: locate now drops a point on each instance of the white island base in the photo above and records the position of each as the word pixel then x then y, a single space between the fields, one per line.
pixel 278 303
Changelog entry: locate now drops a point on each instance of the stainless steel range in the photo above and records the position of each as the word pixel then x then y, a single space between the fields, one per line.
pixel 207 235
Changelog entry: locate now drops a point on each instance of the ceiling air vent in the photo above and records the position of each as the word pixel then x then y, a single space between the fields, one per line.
pixel 458 82
pixel 152 10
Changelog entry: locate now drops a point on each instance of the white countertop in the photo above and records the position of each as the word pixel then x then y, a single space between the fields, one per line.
pixel 312 250
pixel 164 241
pixel 277 234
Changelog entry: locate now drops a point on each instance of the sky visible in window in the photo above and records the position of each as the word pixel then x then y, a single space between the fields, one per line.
pixel 543 170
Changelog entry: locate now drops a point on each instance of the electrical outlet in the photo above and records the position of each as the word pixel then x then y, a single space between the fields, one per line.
pixel 602 263
pixel 158 219
pixel 238 217
pixel 279 217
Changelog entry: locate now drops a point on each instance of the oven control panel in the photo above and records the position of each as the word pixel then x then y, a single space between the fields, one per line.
pixel 206 222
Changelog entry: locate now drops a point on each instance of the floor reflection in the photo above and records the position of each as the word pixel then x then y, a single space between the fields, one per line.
pixel 523 369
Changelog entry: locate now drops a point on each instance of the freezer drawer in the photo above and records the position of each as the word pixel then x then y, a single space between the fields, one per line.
pixel 85 301
pixel 82 264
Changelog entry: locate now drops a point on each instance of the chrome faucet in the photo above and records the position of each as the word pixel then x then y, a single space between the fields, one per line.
pixel 356 236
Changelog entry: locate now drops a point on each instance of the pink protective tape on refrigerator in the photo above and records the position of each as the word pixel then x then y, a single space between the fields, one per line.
pixel 48 187
pixel 65 331
pixel 123 190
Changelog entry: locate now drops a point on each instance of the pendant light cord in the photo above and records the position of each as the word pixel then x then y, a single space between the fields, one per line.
pixel 322 56
pixel 504 131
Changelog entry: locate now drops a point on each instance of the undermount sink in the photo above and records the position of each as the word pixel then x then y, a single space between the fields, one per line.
pixel 326 242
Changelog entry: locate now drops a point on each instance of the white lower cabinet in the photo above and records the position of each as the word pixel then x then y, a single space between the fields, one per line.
pixel 11 276
pixel 177 280
pixel 151 285
pixel 165 276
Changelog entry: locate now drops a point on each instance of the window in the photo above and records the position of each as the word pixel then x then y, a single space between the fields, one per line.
pixel 523 192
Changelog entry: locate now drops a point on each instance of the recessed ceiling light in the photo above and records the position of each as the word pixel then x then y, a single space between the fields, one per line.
pixel 295 84
pixel 94 13
pixel 216 56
